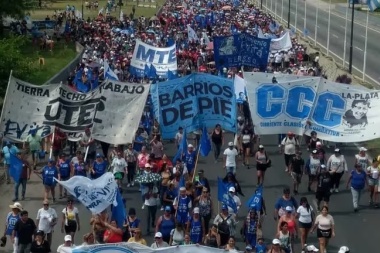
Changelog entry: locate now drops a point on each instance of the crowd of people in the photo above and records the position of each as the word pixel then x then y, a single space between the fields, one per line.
pixel 180 192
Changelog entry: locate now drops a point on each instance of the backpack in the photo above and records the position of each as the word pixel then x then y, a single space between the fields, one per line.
pixel 223 226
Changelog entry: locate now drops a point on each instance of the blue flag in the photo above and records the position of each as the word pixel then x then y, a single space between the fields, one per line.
pixel 224 196
pixel 152 71
pixel 255 202
pixel 15 168
pixel 118 212
pixel 108 73
pixel 182 147
pixel 205 143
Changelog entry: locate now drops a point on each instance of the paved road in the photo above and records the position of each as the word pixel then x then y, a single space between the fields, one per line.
pixel 348 223
pixel 337 32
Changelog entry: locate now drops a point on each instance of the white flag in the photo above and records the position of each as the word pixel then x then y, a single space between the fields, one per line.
pixel 191 34
pixel 205 37
pixel 96 195
pixel 101 11
pixel 121 16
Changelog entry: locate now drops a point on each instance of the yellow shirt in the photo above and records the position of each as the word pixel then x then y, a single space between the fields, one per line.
pixel 141 241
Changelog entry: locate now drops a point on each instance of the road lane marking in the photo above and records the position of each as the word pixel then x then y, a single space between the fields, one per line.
pixel 358 48
pixel 363 36
pixel 336 36
pixel 343 27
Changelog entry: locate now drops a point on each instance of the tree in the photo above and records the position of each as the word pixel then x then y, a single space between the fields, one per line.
pixel 11 58
pixel 14 8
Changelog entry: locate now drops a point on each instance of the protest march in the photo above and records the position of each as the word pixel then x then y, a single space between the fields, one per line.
pixel 202 79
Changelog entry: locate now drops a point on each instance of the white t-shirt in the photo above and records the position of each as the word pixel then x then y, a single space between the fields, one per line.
pixel 289 145
pixel 70 214
pixel 119 165
pixel 337 164
pixel 230 157
pixel 373 172
pixel 178 237
pixel 46 218
pixel 304 214
pixel 178 138
pixel 64 249
pixel 324 222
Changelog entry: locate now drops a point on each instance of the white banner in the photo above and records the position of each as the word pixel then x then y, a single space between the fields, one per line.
pixel 337 112
pixel 111 108
pixel 96 195
pixel 138 248
pixel 163 59
pixel 282 43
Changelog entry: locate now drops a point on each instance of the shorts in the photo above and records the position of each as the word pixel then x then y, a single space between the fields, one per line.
pixel 71 229
pixel 288 159
pixel 323 195
pixel 373 182
pixel 261 167
pixel 297 177
pixel 324 233
pixel 119 175
pixel 305 225
pixel 312 178
pixel 246 145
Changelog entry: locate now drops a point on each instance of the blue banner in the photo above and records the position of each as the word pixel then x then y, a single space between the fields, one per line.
pixel 241 49
pixel 194 101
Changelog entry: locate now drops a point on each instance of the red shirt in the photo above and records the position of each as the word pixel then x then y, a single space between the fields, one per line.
pixel 112 237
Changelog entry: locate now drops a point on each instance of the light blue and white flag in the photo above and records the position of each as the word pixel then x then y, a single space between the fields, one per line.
pixel 191 34
pixel 108 73
pixel 373 4
pixel 96 195
pixel 206 38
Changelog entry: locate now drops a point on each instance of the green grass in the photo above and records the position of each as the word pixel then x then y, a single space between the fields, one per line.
pixel 39 14
pixel 55 61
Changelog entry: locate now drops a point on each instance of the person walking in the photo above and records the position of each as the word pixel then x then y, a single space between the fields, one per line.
pixel 8 150
pixel 229 158
pixel 70 220
pixel 289 146
pixel 262 163
pixel 46 220
pixel 151 198
pixel 217 139
pixel 297 168
pixel 337 165
pixel 362 158
pixel 357 180
pixel 130 156
pixel 24 177
pixel 24 231
pixel 373 180
pixel 323 192
pixel 10 223
pixel 324 223
pixel 305 217
pixel 165 224
pixel 34 144
pixel 64 173
pixel 40 245
pixel 312 168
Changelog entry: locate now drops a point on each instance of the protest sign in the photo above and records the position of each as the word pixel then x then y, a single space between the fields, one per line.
pixel 194 101
pixel 282 43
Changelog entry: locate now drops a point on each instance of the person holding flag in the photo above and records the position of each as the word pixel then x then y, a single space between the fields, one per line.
pixel 189 158
pixel 182 204
pixel 257 203
pixel 20 171
pixel 8 150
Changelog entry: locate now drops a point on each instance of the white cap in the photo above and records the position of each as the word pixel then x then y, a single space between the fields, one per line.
pixel 318 143
pixel 239 118
pixel 196 210
pixel 314 151
pixel 362 149
pixel 337 150
pixel 230 144
pixel 261 146
pixel 323 166
pixel 231 189
pixel 344 249
pixel 312 248
pixel 276 241
pixel 158 234
pixel 289 208
pixel 190 146
pixel 182 188
pixel 68 238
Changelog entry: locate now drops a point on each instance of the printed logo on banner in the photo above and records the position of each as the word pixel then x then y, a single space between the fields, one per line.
pixel 192 101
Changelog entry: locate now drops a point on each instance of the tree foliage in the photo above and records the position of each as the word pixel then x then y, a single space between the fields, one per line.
pixel 13 8
pixel 11 58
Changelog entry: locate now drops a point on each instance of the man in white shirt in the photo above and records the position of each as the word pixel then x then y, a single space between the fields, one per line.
pixel 46 220
pixel 289 146
pixel 230 156
pixel 178 137
pixel 237 200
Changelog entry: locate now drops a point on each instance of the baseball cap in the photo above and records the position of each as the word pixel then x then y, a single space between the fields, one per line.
pixel 67 238
pixel 289 209
pixel 362 149
pixel 323 166
pixel 276 241
pixel 230 144
pixel 50 160
pixel 196 210
pixel 190 146
pixel 318 143
pixel 40 232
pixel 314 151
pixel 344 249
pixel 98 155
pixel 311 248
pixel 337 150
pixel 224 207
pixel 168 208
pixel 182 188
pixel 158 235
pixel 261 146
pixel 231 189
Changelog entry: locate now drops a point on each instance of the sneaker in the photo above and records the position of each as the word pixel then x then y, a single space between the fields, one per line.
pixel 143 206
pixel 332 190
pixel 23 198
pixel 286 170
pixel 336 190
pixel 162 208
pixel 133 184
pixel 279 145
pixel 128 185
pixel 356 210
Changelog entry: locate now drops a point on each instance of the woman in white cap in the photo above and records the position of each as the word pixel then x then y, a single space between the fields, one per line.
pixel 337 165
pixel 276 247
pixel 196 227
pixel 312 167
pixel 11 220
pixel 262 160
pixel 362 158
pixel 373 180
pixel 66 246
pixel 236 198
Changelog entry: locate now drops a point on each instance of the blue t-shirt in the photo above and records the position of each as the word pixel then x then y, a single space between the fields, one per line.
pixel 196 230
pixel 48 175
pixel 64 169
pixel 261 248
pixel 189 159
pixel 358 180
pixel 79 170
pixel 166 226
pixel 7 153
pixel 282 203
pixel 11 222
pixel 100 168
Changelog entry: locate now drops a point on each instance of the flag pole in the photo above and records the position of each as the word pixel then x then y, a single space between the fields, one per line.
pixel 92 129
pixel 282 11
pixel 51 144
pixel 345 38
pixel 365 46
pixel 275 9
pixel 316 24
pixel 196 162
pixel 304 21
pixel 328 31
pixel 295 22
